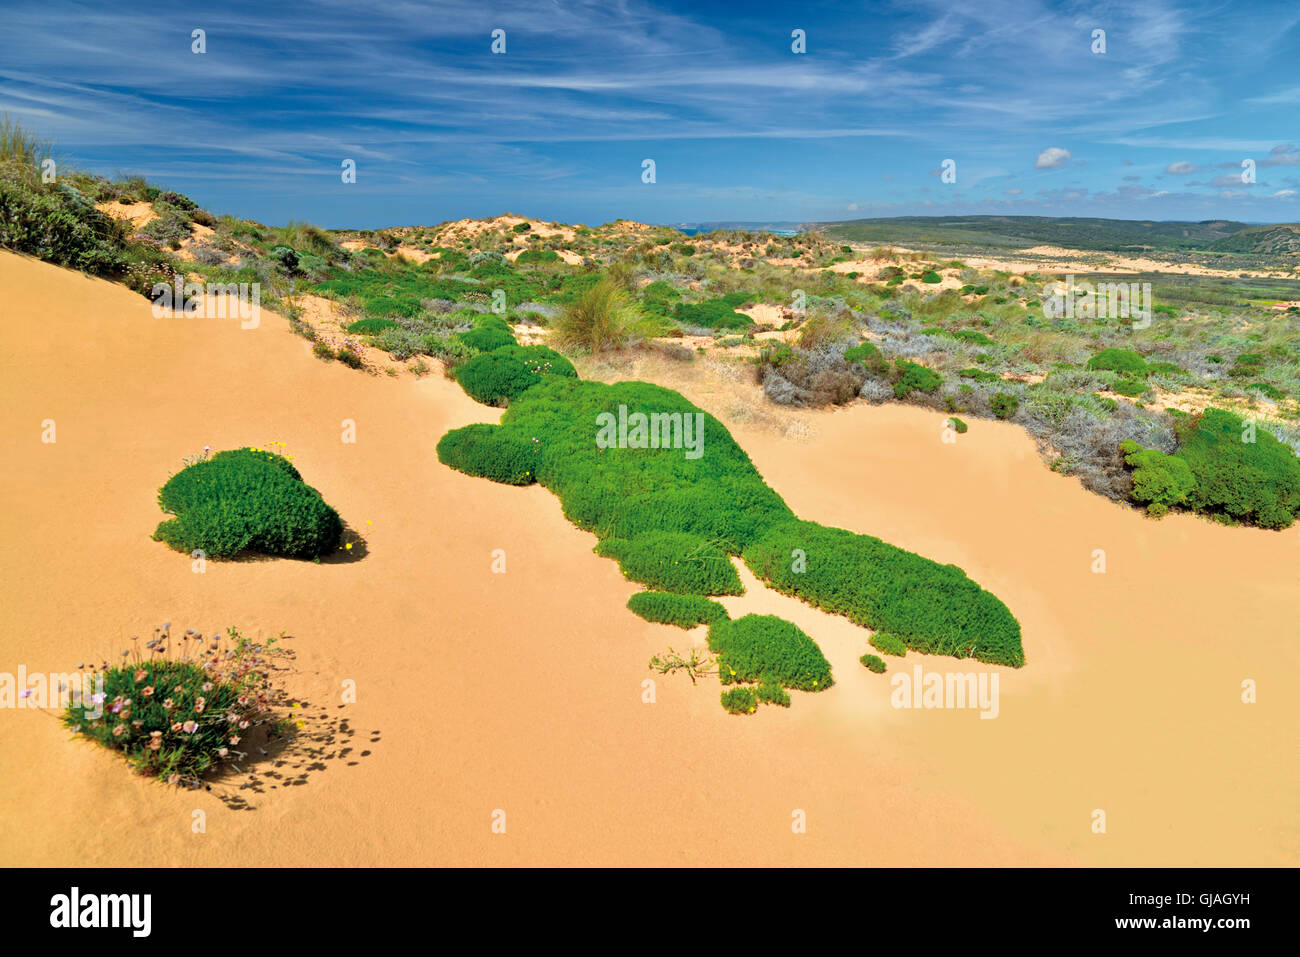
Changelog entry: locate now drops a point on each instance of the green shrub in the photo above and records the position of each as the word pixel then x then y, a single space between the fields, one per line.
pixel 957 425
pixel 768 650
pixel 59 225
pixel 1130 387
pixel 1004 404
pixel 491 333
pixel 720 498
pixel 909 376
pixel 888 644
pixel 537 257
pixel 539 360
pixel 934 608
pixel 371 326
pixel 869 355
pixel 674 561
pixel 321 350
pixel 1158 479
pixel 1268 391
pixel 349 357
pixel 772 694
pixel 246 500
pixel 684 611
pixel 1254 482
pixel 717 313
pixel 931 276
pixel 177 715
pixel 979 375
pixel 1123 361
pixel 739 701
pixel 601 317
pixel 494 378
pixel 487 452
pixel 873 663
pixel 521 227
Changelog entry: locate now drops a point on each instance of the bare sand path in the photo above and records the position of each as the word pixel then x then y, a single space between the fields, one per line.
pixel 522 692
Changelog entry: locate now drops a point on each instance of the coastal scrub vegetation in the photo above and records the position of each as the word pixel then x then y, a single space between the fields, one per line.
pixel 246 500
pixel 182 705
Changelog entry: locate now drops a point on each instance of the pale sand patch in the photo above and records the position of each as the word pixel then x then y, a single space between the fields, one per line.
pixel 138 214
pixel 523 691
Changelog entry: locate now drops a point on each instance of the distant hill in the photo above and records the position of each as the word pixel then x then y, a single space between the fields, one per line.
pixel 1274 240
pixel 1018 232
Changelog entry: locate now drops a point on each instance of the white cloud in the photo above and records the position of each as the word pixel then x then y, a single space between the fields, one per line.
pixel 1052 158
pixel 1181 168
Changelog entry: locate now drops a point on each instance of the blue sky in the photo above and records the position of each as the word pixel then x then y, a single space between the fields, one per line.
pixel 739 126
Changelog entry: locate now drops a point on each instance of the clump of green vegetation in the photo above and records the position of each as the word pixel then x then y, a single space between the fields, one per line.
pixel 181 706
pixel 739 700
pixel 931 276
pixel 491 332
pixel 246 500
pixel 494 378
pixel 911 376
pixel 1124 361
pixel 957 425
pixel 602 317
pixel 772 694
pixel 1236 470
pixel 873 663
pixel 537 257
pixel 1160 481
pixel 371 326
pixel 933 608
pixel 479 450
pixel 768 650
pixel 888 644
pixel 869 355
pixel 667 608
pixel 719 498
pixel 675 562
pixel 1004 404
pixel 718 313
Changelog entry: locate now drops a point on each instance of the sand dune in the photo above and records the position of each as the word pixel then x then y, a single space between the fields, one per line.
pixel 479 691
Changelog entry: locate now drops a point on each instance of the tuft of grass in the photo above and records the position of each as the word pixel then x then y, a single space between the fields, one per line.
pixel 602 317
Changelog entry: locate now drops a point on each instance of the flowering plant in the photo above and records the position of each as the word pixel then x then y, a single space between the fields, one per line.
pixel 183 704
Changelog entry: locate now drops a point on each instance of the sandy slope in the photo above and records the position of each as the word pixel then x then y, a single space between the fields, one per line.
pixel 522 691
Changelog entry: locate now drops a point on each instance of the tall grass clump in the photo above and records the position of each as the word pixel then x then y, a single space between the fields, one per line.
pixel 602 317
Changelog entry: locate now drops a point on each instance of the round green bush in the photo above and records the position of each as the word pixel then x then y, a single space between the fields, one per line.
pixel 494 378
pixel 674 561
pixel 909 376
pixel 246 501
pixel 491 333
pixel 540 360
pixel 684 611
pixel 888 644
pixel 873 663
pixel 957 425
pixel 768 650
pixel 931 276
pixel 487 452
pixel 1123 361
pixel 372 326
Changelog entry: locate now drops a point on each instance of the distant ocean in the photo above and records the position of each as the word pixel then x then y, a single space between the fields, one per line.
pixel 750 227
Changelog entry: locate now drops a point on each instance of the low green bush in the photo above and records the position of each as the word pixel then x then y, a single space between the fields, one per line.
pixel 481 450
pixel 910 376
pixel 539 360
pixel 873 663
pixel 957 425
pixel 494 378
pixel 1241 472
pixel 491 333
pixel 1130 387
pixel 772 694
pixel 674 561
pixel 739 701
pixel 537 257
pixel 178 715
pixel 1123 361
pixel 768 650
pixel 1004 404
pixel 934 608
pixel 372 326
pixel 246 500
pixel 888 644
pixel 869 355
pixel 684 611
pixel 931 276
pixel 979 375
